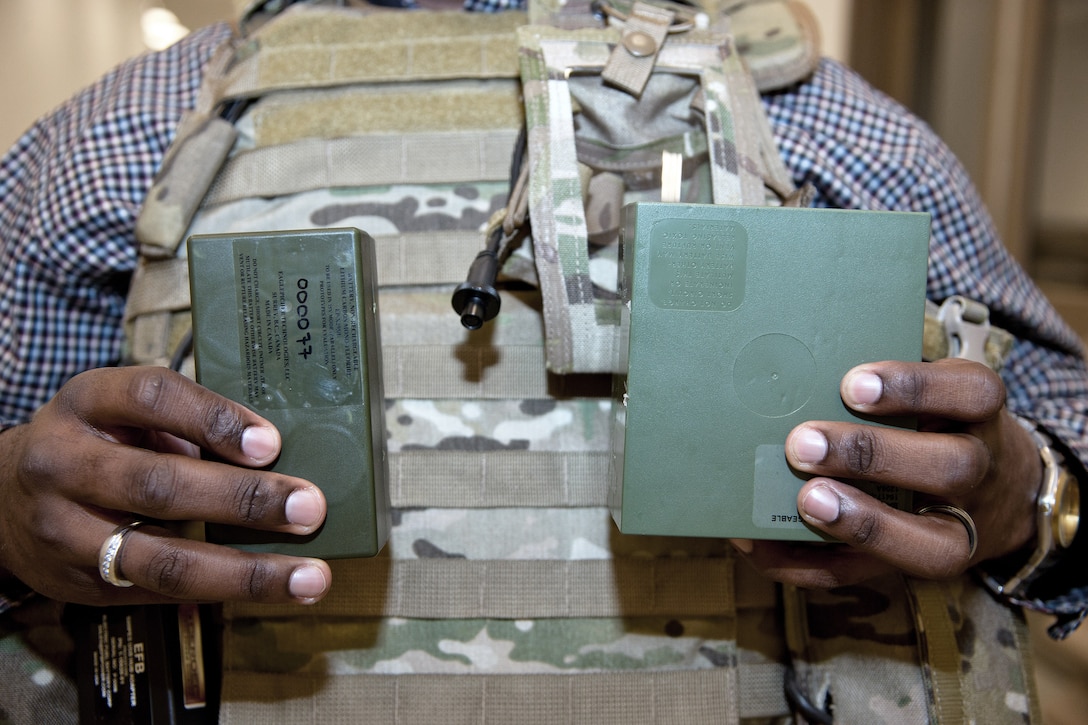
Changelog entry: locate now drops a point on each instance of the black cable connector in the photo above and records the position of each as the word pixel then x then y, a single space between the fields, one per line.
pixel 476 300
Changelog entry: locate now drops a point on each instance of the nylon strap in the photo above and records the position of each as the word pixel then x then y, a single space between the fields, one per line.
pixel 464 479
pixel 158 286
pixel 691 697
pixel 451 588
pixel 632 60
pixel 372 160
pixel 464 371
pixel 939 650
pixel 422 317
pixel 201 143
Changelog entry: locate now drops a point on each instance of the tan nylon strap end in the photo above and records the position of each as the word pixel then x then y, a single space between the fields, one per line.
pixel 632 60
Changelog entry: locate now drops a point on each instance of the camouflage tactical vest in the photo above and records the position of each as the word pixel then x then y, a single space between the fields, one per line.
pixel 505 594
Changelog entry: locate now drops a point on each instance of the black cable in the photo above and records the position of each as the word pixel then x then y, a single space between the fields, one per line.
pixel 476 300
pixel 182 351
pixel 800 704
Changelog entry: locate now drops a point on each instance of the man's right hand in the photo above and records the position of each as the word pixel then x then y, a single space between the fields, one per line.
pixel 122 444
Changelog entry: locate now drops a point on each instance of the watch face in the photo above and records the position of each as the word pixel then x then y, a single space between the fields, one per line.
pixel 1066 510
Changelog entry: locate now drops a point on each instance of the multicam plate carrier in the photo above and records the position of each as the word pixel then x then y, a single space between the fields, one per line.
pixel 505 594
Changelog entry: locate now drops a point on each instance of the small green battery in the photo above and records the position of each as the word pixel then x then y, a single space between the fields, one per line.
pixel 738 324
pixel 286 323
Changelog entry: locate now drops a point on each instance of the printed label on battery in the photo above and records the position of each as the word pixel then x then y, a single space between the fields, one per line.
pixel 119 659
pixel 299 327
pixel 697 264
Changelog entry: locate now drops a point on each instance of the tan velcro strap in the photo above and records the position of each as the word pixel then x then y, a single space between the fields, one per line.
pixel 373 160
pixel 419 108
pixel 497 479
pixel 692 697
pixel 332 47
pixel 450 588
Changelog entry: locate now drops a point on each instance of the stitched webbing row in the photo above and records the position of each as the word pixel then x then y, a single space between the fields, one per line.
pixel 424 258
pixel 463 479
pixel 450 588
pixel 373 160
pixel 699 696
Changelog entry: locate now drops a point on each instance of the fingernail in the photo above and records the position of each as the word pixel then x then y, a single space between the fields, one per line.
pixel 307 582
pixel 304 507
pixel 809 445
pixel 259 442
pixel 863 389
pixel 822 504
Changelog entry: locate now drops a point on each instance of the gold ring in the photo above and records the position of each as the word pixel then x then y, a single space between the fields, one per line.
pixel 109 554
pixel 963 517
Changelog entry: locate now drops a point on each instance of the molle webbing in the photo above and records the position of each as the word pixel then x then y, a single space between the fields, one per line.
pixel 372 160
pixel 520 589
pixel 492 479
pixel 546 699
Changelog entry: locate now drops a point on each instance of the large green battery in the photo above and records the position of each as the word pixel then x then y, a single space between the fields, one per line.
pixel 286 323
pixel 739 323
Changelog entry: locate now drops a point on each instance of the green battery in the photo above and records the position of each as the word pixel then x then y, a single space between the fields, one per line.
pixel 286 323
pixel 738 324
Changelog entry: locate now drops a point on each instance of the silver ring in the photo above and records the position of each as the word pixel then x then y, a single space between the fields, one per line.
pixel 964 518
pixel 109 554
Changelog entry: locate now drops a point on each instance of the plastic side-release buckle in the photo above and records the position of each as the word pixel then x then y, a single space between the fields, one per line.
pixel 966 325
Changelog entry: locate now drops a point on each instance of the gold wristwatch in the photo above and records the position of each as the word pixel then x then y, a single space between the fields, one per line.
pixel 1057 518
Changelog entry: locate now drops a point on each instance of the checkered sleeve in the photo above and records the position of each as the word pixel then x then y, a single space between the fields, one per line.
pixel 861 150
pixel 70 190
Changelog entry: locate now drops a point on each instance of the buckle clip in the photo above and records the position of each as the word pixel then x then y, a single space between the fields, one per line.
pixel 966 325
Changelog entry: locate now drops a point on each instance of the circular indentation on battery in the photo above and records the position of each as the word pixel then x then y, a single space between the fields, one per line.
pixel 639 44
pixel 774 375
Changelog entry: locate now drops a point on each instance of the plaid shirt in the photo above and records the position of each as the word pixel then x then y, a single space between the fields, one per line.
pixel 71 187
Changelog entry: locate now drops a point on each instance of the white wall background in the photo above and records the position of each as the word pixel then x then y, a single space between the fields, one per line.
pixel 1063 197
pixel 49 49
